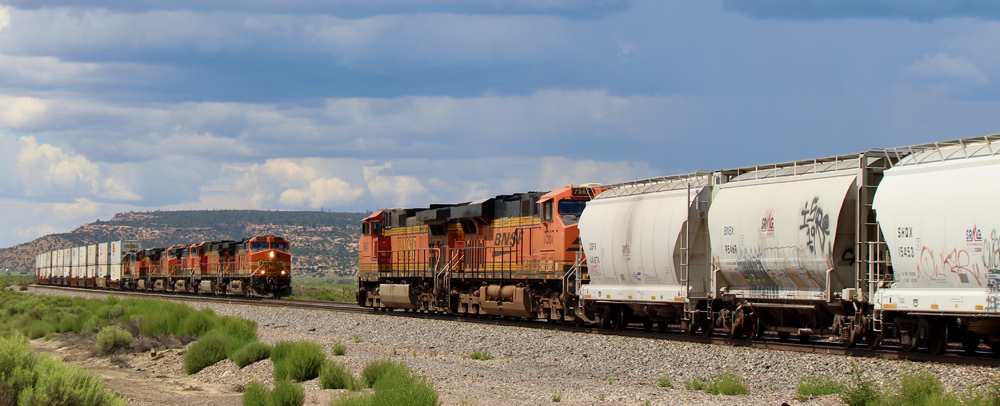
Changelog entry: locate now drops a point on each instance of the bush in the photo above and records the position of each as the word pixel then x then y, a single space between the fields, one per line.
pixel 921 388
pixel 205 352
pixel 257 394
pixel 112 337
pixel 335 376
pixel 860 391
pixel 285 393
pixel 664 382
pixel 725 384
pixel 818 386
pixel 39 379
pixel 339 349
pixel 299 361
pixel 393 384
pixel 251 353
pixel 482 355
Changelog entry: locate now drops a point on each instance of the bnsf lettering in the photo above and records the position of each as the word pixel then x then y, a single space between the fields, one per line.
pixel 506 239
pixel 905 232
pixel 906 252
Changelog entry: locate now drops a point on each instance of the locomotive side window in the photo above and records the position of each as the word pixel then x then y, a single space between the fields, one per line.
pixel 364 229
pixel 547 211
pixel 376 228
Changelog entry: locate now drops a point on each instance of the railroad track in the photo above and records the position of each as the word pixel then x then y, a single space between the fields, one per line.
pixel 890 350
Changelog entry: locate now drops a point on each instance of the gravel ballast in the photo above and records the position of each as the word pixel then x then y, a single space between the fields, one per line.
pixel 536 366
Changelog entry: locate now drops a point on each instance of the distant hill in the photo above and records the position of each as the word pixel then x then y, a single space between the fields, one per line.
pixel 323 244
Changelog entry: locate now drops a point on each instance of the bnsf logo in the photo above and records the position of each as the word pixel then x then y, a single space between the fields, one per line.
pixel 506 239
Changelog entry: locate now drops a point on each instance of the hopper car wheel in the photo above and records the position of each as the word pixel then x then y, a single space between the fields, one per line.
pixel 708 328
pixel 752 328
pixel 661 326
pixel 970 342
pixel 994 346
pixel 578 321
pixel 937 338
pixel 689 327
pixel 617 318
pixel 804 337
pixel 783 335
pixel 873 339
pixel 647 325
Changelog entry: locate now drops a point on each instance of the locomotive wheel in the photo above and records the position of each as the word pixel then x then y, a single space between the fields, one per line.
pixel 783 335
pixel 873 339
pixel 906 341
pixel 970 342
pixel 937 339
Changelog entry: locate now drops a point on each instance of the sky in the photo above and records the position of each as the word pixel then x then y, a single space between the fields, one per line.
pixel 351 105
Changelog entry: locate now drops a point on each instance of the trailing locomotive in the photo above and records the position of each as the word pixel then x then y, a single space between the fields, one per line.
pixel 889 242
pixel 510 255
pixel 258 266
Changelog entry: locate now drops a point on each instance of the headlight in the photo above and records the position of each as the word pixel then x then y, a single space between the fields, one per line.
pixel 272 254
pixel 282 272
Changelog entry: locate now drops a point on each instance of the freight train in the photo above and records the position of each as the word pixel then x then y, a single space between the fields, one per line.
pixel 260 266
pixel 897 242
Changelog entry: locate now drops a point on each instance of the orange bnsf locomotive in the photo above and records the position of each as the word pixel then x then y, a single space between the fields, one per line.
pixel 511 255
pixel 259 266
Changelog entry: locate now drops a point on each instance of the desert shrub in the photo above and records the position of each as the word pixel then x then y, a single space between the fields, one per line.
pixel 393 384
pixel 257 394
pixel 664 382
pixel 918 389
pixel 725 384
pixel 198 323
pixel 335 376
pixel 339 349
pixel 38 329
pixel 39 379
pixel 299 361
pixel 112 337
pixel 208 350
pixel 285 393
pixel 482 355
pixel 251 353
pixel 860 391
pixel 818 386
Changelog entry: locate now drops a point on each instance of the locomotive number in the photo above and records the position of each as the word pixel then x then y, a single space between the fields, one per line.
pixel 906 252
pixel 730 249
pixel 727 230
pixel 406 245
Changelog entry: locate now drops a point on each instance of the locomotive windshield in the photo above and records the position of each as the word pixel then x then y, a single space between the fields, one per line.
pixel 570 210
pixel 258 246
pixel 280 246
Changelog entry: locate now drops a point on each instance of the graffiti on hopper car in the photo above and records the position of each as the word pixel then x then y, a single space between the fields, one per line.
pixel 957 262
pixel 816 224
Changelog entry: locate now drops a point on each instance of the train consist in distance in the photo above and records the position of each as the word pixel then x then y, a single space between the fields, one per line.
pixel 259 266
pixel 898 242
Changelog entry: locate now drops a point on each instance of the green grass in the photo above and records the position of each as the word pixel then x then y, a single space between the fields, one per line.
pixel 818 386
pixel 40 379
pixel 664 382
pixel 335 376
pixel 482 355
pixel 357 339
pixel 339 349
pixel 298 361
pixel 919 388
pixel 251 353
pixel 725 384
pixel 205 352
pixel 285 393
pixel 326 289
pixel 393 384
pixel 557 397
pixel 111 338
pixel 861 390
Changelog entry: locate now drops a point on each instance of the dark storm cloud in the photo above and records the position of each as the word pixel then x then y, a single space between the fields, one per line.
pixel 916 10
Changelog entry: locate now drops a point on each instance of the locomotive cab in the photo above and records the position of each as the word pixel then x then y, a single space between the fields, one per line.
pixel 270 263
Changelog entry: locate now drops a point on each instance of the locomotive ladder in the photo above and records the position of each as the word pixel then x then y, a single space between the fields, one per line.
pixel 442 278
pixel 574 272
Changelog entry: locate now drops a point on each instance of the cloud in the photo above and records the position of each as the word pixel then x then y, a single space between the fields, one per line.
pixel 45 171
pixel 917 10
pixel 393 190
pixel 351 8
pixel 82 208
pixel 20 112
pixel 945 68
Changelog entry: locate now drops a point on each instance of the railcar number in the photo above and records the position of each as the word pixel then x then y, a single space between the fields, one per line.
pixel 730 249
pixel 906 252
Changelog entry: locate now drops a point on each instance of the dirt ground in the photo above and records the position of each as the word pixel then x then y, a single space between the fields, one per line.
pixel 143 379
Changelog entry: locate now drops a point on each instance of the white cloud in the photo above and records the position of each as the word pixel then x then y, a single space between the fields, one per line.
pixel 19 112
pixel 47 171
pixel 83 208
pixel 392 190
pixel 944 67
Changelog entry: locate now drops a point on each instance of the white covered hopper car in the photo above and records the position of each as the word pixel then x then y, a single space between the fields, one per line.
pixel 900 241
